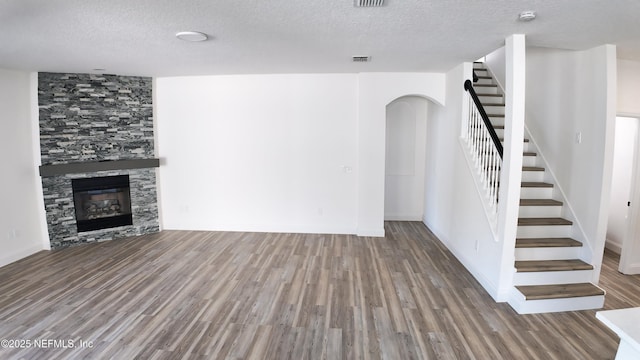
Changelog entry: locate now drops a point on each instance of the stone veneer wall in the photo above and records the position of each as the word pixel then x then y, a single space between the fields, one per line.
pixel 86 117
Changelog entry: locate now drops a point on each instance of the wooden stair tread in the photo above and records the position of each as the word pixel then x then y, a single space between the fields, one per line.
pixel 532 168
pixel 502 139
pixel 485 85
pixel 489 95
pixel 529 153
pixel 540 202
pixel 547 242
pixel 551 265
pixel 542 292
pixel 483 76
pixel 495 115
pixel 543 221
pixel 531 184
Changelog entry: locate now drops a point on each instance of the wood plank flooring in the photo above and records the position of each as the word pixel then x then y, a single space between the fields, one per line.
pixel 217 295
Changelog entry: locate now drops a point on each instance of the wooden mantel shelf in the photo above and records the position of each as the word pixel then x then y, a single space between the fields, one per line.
pixel 95 166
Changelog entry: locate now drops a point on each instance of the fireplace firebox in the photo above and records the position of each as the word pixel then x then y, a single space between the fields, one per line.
pixel 102 202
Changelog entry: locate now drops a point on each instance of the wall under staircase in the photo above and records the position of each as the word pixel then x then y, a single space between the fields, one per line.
pixel 549 275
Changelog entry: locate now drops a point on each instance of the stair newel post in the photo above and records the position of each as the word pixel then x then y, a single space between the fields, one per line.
pixel 511 174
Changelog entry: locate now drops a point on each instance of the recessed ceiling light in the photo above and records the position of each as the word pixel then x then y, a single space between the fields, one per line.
pixel 192 36
pixel 527 15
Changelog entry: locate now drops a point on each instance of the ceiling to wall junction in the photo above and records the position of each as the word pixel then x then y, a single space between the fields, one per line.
pixel 283 36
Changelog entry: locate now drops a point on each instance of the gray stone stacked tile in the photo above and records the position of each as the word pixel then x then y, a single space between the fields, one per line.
pixel 86 117
pixel 61 219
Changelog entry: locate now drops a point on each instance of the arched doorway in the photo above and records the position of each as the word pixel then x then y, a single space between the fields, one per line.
pixel 405 151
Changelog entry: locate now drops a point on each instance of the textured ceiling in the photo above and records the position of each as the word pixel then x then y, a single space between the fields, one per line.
pixel 137 37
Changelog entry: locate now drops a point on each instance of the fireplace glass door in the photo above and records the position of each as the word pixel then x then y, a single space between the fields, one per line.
pixel 102 202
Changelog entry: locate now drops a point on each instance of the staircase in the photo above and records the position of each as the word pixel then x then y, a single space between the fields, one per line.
pixel 548 273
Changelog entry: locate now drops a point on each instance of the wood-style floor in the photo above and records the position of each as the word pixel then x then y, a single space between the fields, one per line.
pixel 216 295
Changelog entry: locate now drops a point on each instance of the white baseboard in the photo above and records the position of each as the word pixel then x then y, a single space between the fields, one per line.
pixel 6 259
pixel 442 237
pixel 402 217
pixel 287 229
pixel 634 269
pixel 498 295
pixel 262 228
pixel 370 232
pixel 613 246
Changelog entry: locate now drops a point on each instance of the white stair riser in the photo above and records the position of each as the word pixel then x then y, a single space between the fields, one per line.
pixel 486 89
pixel 536 193
pixel 550 253
pixel 540 211
pixel 546 231
pixel 529 161
pixel 525 146
pixel 483 81
pixel 496 120
pixel 485 100
pixel 493 109
pixel 557 305
pixel 552 277
pixel 533 176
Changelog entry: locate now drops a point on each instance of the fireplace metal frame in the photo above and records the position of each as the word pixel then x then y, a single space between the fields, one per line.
pixel 82 185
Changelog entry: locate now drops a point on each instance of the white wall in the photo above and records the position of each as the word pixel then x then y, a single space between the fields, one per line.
pixel 453 206
pixel 375 92
pixel 570 94
pixel 296 153
pixel 629 104
pixel 496 61
pixel 258 152
pixel 406 133
pixel 628 87
pixel 626 131
pixel 439 168
pixel 21 209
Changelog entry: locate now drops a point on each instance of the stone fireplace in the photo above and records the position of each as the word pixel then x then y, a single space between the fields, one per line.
pixel 97 149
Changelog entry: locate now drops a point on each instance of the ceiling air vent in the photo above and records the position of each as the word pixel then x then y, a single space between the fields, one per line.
pixel 369 3
pixel 361 58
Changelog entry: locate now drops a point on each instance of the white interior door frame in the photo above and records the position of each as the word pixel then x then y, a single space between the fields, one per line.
pixel 630 252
